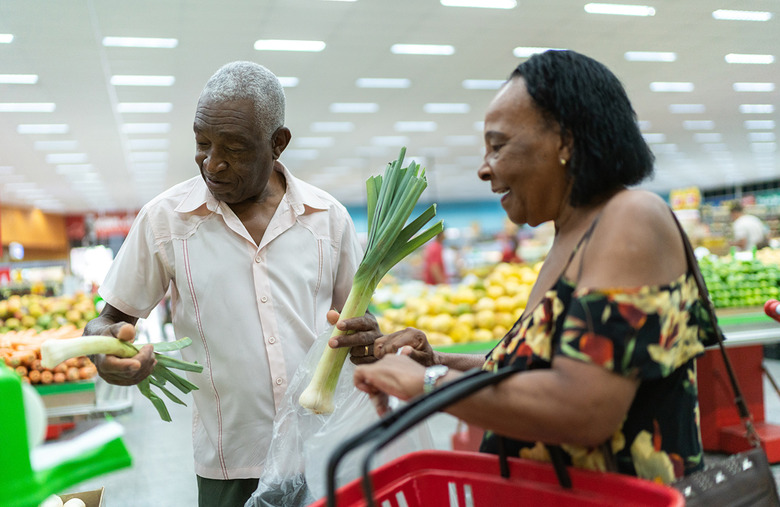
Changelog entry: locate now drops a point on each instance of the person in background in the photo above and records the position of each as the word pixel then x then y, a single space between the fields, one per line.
pixel 254 259
pixel 748 230
pixel 607 343
pixel 433 261
pixel 510 252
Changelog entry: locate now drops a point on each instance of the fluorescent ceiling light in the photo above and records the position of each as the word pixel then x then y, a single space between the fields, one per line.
pixel 698 125
pixel 654 138
pixel 483 84
pixel 27 107
pixel 289 45
pixel 148 156
pixel 148 144
pixel 757 108
pixel 332 126
pixel 707 137
pixel 525 52
pixel 125 80
pixel 288 82
pixel 66 158
pixel 446 108
pixel 140 42
pixel 687 108
pixel 661 86
pixel 55 145
pixel 43 128
pixel 726 14
pixel 460 140
pixel 415 126
pixel 150 167
pixel 371 82
pixel 763 147
pixel 146 128
pixel 759 124
pixel 6 38
pixel 479 125
pixel 18 78
pixel 296 154
pixel 721 149
pixel 144 107
pixel 665 148
pixel 73 168
pixel 760 137
pixel 486 4
pixel 620 9
pixel 650 56
pixel 389 140
pixel 422 49
pixel 313 142
pixel 354 107
pixel 754 87
pixel 745 58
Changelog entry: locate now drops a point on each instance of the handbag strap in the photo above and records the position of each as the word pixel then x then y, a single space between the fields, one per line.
pixel 704 296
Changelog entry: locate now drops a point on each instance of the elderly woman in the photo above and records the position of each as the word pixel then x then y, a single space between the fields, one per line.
pixel 608 339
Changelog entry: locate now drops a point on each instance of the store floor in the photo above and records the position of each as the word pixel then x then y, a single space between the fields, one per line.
pixel 162 472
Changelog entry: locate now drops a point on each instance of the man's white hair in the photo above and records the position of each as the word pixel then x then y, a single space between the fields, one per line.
pixel 249 80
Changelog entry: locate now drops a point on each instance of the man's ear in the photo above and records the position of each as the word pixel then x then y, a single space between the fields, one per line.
pixel 279 141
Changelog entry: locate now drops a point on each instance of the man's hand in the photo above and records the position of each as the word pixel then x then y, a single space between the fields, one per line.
pixel 122 371
pixel 362 332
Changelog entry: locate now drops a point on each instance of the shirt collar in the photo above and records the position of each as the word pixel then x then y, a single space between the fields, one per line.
pixel 301 197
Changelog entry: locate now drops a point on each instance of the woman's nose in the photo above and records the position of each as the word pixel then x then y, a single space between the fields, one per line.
pixel 484 172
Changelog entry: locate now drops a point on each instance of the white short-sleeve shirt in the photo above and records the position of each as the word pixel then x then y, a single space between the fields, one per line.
pixel 251 310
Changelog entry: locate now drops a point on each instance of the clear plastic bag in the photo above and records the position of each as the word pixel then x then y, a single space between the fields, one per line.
pixel 294 471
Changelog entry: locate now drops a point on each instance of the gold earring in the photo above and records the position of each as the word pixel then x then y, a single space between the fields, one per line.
pixel 563 161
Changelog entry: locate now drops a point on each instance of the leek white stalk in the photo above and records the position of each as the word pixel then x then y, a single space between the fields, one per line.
pixel 55 351
pixel 390 202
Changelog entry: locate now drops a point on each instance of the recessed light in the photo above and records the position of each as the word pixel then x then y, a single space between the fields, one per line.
pixel 756 108
pixel 148 144
pixel 415 126
pixel 146 128
pixel 422 49
pixel 759 124
pixel 289 45
pixel 654 138
pixel 389 140
pixel 687 108
pixel 664 86
pixel 354 107
pixel 707 137
pixel 761 137
pixel 140 42
pixel 746 58
pixel 332 126
pixel 754 87
pixel 66 158
pixel 73 168
pixel 6 38
pixel 55 145
pixel 525 52
pixel 43 128
pixel 698 125
pixel 619 9
pixel 650 56
pixel 288 82
pixel 27 107
pixel 732 15
pixel 371 82
pixel 485 4
pixel 763 147
pixel 483 84
pixel 127 80
pixel 144 107
pixel 18 78
pixel 446 108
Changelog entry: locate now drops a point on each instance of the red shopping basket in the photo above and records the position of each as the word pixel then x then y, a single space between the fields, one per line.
pixel 470 479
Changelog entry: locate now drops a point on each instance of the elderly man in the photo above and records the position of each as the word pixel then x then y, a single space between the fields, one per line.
pixel 254 259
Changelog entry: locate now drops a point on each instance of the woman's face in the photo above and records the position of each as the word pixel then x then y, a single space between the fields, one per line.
pixel 523 157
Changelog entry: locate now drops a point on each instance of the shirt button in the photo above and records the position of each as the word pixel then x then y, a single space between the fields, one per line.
pixel 257 259
pixel 279 381
pixel 272 339
pixel 263 299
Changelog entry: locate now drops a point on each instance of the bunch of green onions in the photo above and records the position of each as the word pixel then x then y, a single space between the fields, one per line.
pixel 390 201
pixel 55 351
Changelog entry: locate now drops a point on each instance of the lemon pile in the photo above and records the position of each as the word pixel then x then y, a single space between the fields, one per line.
pixel 479 309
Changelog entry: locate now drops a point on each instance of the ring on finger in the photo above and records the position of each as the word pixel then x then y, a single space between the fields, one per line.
pixel 367 351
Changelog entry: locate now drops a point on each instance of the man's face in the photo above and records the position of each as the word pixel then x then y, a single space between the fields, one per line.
pixel 234 155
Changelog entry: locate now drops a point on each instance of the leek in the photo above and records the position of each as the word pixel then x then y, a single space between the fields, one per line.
pixel 390 201
pixel 55 351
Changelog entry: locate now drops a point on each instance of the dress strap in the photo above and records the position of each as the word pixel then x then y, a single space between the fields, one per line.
pixel 583 241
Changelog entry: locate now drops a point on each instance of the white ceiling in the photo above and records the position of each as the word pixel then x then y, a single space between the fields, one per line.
pixel 61 42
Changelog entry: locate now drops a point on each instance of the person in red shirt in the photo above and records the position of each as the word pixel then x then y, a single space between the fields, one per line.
pixel 433 262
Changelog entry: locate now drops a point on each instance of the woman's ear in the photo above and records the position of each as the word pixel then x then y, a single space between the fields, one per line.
pixel 567 146
pixel 279 141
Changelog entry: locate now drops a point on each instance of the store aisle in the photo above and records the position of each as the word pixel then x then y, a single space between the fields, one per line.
pixel 162 473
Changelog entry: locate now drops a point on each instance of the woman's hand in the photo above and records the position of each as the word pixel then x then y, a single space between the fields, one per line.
pixel 123 371
pixel 395 375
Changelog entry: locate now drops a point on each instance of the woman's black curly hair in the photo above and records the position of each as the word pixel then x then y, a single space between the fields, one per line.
pixel 589 103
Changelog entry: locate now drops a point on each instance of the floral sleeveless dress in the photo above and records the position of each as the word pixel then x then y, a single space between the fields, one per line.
pixel 652 333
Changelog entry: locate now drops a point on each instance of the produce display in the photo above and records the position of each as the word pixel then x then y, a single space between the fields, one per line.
pixel 742 283
pixel 37 312
pixel 482 307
